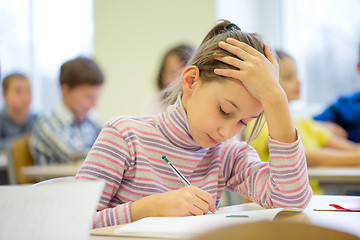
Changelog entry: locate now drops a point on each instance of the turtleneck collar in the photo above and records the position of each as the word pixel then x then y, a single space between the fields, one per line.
pixel 173 124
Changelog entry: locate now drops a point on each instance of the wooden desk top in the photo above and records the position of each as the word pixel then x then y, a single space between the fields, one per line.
pixel 51 171
pixel 348 222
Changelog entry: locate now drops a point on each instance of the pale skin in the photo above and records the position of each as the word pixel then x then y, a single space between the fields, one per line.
pixel 257 82
pixel 338 151
pixel 18 99
pixel 81 99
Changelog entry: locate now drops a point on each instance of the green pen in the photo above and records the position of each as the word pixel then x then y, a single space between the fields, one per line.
pixel 178 173
pixel 237 216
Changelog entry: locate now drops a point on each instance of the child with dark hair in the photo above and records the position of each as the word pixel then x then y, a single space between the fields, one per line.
pixel 16 118
pixel 67 133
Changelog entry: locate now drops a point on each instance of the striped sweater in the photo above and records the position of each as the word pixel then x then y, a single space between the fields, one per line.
pixel 127 155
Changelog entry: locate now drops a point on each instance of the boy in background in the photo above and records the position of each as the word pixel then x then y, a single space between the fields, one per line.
pixel 67 133
pixel 16 118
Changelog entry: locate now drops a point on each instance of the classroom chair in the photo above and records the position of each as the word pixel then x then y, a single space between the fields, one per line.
pixel 19 156
pixel 275 231
pixel 56 180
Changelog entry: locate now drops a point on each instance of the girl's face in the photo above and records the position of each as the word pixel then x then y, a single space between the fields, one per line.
pixel 217 111
pixel 289 79
pixel 172 69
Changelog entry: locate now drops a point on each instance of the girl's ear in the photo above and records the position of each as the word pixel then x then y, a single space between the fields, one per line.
pixel 188 78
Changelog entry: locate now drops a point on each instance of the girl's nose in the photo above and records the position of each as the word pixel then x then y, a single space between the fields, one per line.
pixel 227 131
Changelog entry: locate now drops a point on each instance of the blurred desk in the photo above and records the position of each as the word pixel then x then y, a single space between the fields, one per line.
pixel 342 221
pixel 336 180
pixel 42 172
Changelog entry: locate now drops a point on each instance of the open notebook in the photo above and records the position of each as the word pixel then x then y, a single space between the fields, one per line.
pixel 49 211
pixel 180 227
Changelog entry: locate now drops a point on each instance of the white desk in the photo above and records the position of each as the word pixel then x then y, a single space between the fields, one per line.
pixel 335 175
pixel 337 180
pixel 348 222
pixel 41 172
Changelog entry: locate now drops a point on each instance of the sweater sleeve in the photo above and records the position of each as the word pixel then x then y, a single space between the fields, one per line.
pixel 108 160
pixel 282 182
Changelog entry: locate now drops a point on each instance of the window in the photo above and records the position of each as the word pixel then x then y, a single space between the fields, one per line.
pixel 37 36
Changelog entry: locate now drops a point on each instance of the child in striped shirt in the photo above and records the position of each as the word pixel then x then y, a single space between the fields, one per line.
pixel 232 79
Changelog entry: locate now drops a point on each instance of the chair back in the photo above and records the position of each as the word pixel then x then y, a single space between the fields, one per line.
pixel 21 156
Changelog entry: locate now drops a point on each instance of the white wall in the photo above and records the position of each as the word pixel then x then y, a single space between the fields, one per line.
pixel 261 16
pixel 130 39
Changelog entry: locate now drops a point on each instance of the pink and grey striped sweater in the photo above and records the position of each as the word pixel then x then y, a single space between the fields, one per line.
pixel 127 155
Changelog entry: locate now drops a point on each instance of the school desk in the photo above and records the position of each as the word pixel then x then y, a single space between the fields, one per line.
pixel 42 172
pixel 348 222
pixel 336 180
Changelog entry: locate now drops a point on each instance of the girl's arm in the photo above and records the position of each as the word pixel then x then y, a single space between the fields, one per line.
pixel 342 144
pixel 109 160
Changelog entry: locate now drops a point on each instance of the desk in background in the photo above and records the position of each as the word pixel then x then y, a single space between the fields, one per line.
pixel 43 172
pixel 348 222
pixel 337 180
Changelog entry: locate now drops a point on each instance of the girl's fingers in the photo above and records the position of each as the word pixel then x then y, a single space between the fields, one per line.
pixel 270 56
pixel 206 199
pixel 228 73
pixel 243 46
pixel 237 51
pixel 235 62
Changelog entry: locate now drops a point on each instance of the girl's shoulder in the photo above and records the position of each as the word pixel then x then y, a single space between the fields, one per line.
pixel 122 122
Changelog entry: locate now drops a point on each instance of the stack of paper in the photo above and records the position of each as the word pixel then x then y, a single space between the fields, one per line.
pixel 49 211
pixel 178 227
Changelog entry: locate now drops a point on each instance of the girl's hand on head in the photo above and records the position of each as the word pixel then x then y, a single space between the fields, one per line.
pixel 259 73
pixel 186 201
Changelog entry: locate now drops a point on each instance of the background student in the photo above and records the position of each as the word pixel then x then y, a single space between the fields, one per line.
pixel 322 147
pixel 345 112
pixel 16 119
pixel 67 133
pixel 213 101
pixel 171 67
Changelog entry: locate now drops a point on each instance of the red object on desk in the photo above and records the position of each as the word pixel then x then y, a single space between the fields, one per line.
pixel 340 207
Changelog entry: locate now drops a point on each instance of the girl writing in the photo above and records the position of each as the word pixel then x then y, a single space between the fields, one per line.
pixel 231 79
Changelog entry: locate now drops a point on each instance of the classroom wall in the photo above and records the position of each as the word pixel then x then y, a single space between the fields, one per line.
pixel 130 39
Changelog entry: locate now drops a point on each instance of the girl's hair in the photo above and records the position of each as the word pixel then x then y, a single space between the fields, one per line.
pixel 204 59
pixel 183 52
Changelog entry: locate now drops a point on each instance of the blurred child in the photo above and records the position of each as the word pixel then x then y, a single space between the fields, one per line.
pixel 16 118
pixel 67 133
pixel 171 67
pixel 345 112
pixel 322 148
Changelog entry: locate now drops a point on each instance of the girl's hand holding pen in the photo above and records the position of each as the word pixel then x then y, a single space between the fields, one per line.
pixel 186 201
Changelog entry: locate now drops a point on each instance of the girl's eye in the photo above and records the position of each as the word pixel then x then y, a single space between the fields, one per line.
pixel 241 121
pixel 223 113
